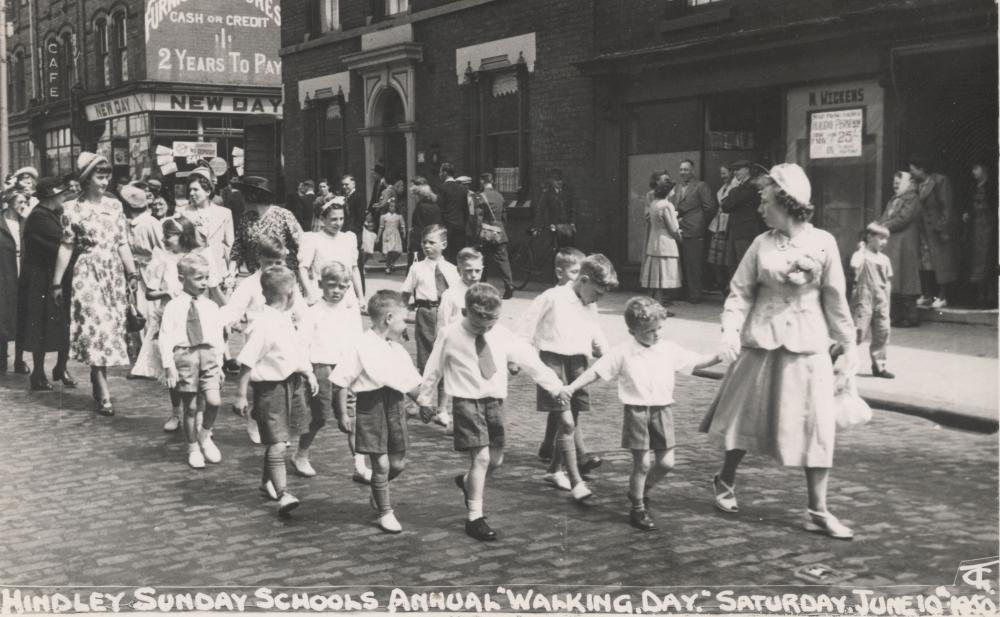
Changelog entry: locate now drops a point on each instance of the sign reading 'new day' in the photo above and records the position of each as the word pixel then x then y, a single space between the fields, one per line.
pixel 228 42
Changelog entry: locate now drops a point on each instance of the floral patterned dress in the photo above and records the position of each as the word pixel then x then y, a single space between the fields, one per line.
pixel 96 231
pixel 276 222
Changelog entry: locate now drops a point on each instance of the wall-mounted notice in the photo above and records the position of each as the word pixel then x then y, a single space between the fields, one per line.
pixel 230 42
pixel 836 134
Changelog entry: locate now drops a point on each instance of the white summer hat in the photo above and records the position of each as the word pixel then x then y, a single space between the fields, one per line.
pixel 793 181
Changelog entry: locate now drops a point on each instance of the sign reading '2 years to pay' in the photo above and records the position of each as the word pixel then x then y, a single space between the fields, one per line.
pixel 231 42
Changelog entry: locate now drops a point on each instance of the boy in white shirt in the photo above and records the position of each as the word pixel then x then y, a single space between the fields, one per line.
pixel 380 372
pixel 191 345
pixel 470 357
pixel 247 300
pixel 332 327
pixel 563 327
pixel 870 296
pixel 470 268
pixel 273 362
pixel 644 368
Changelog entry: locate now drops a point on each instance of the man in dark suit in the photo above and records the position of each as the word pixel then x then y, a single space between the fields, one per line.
pixel 453 198
pixel 745 223
pixel 356 206
pixel 695 207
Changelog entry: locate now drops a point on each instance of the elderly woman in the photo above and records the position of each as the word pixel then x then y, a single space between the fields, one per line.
pixel 11 226
pixel 94 226
pixel 902 218
pixel 787 301
pixel 42 325
pixel 263 217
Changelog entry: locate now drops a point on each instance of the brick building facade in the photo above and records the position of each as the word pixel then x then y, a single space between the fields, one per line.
pixel 144 82
pixel 608 90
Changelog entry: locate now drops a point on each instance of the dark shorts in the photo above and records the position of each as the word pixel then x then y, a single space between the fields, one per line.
pixel 567 368
pixel 425 321
pixel 197 369
pixel 380 422
pixel 279 407
pixel 321 405
pixel 477 422
pixel 648 428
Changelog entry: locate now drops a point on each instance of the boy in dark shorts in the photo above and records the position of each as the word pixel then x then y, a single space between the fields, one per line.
pixel 470 356
pixel 273 363
pixel 191 345
pixel 379 371
pixel 644 368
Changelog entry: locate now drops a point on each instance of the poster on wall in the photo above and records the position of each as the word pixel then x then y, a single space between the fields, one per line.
pixel 220 42
pixel 836 134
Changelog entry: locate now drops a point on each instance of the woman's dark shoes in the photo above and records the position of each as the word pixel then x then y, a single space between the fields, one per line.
pixel 64 377
pixel 105 408
pixel 40 384
pixel 508 293
pixel 21 368
pixel 640 520
pixel 884 374
pixel 479 530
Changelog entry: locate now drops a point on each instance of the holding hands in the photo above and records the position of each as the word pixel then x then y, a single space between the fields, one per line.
pixel 729 349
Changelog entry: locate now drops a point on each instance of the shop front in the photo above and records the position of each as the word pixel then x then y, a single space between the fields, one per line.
pixel 164 134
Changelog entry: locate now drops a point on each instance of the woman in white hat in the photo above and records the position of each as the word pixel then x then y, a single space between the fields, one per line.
pixel 94 227
pixel 787 301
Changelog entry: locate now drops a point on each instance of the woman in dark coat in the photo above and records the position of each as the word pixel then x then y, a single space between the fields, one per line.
pixel 10 248
pixel 902 217
pixel 43 326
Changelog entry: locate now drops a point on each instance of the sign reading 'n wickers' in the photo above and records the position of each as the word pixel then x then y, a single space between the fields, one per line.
pixel 230 42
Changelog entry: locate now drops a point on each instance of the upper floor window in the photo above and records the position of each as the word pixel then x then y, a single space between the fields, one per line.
pixel 327 14
pixel 702 2
pixel 120 38
pixel 67 62
pixel 394 7
pixel 103 49
pixel 19 85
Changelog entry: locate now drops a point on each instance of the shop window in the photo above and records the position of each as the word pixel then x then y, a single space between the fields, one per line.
pixel 103 63
pixel 120 36
pixel 326 16
pixel 61 148
pixel 500 128
pixel 330 158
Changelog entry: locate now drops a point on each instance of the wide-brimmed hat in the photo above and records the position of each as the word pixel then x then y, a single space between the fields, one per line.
pixel 134 196
pixel 792 179
pixel 26 171
pixel 87 162
pixel 253 183
pixel 51 186
pixel 463 180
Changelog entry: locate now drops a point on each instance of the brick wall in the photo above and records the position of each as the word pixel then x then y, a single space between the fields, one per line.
pixel 560 108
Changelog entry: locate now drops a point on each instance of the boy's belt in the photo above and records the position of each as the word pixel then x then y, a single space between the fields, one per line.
pixel 428 304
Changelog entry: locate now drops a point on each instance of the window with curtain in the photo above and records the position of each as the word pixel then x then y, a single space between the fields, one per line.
pixel 394 7
pixel 327 16
pixel 330 159
pixel 103 60
pixel 120 34
pixel 500 128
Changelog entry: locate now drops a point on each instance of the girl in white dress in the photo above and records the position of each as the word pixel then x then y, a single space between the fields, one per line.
pixel 328 244
pixel 391 229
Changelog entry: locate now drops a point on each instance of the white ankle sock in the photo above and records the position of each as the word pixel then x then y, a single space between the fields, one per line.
pixel 475 509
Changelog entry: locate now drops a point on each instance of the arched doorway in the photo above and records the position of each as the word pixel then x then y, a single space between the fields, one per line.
pixel 389 143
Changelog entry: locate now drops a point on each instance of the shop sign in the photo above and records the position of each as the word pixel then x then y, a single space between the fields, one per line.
pixel 121 106
pixel 196 149
pixel 218 103
pixel 229 42
pixel 53 70
pixel 836 134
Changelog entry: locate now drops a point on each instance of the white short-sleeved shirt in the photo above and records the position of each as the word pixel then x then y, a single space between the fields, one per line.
pixel 248 301
pixel 275 347
pixel 173 326
pixel 452 303
pixel 559 321
pixel 375 363
pixel 420 280
pixel 645 374
pixel 332 329
pixel 319 248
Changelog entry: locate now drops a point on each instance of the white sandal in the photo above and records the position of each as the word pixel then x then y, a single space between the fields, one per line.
pixel 828 524
pixel 725 499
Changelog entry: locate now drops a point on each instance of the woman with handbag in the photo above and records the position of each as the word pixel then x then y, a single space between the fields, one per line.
pixel 492 235
pixel 94 227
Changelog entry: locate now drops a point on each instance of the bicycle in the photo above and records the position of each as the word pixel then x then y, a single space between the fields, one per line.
pixel 534 258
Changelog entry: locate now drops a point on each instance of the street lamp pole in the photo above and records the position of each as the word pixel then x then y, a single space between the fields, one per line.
pixel 4 128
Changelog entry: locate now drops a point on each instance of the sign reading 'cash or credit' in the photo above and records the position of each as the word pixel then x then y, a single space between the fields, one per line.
pixel 836 134
pixel 231 42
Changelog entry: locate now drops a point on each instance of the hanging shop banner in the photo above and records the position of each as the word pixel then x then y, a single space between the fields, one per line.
pixel 227 42
pixel 836 134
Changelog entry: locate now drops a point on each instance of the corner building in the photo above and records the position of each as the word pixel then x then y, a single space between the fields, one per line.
pixel 152 85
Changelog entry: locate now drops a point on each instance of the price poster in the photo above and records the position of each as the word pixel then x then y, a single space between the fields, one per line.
pixel 836 134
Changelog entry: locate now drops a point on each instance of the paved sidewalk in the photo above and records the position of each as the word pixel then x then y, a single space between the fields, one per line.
pixel 945 372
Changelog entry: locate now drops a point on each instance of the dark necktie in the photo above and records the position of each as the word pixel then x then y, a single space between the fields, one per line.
pixel 440 282
pixel 486 365
pixel 194 333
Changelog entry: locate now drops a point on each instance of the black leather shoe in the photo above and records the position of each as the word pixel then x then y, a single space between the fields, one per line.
pixel 479 530
pixel 21 368
pixel 105 408
pixel 508 293
pixel 882 373
pixel 590 464
pixel 641 521
pixel 64 377
pixel 40 384
pixel 460 483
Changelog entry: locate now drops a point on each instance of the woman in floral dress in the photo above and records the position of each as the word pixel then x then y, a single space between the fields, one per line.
pixel 264 218
pixel 787 301
pixel 94 226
